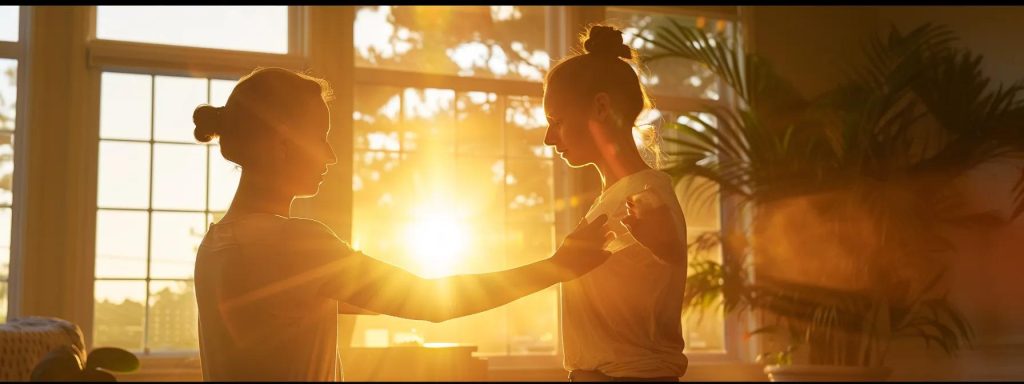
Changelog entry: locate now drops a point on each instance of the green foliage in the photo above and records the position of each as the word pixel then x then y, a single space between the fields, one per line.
pixel 914 115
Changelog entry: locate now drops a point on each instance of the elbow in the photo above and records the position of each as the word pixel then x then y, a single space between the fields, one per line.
pixel 433 317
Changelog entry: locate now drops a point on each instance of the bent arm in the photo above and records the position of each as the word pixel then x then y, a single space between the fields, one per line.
pixel 383 288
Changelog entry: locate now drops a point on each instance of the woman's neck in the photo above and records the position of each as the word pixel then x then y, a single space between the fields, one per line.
pixel 257 195
pixel 623 162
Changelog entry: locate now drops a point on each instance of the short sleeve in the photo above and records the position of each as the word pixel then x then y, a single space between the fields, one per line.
pixel 316 253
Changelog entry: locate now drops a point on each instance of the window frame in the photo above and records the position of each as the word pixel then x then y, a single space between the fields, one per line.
pixel 16 50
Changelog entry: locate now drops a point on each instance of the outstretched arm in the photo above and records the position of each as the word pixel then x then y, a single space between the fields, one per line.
pixel 381 287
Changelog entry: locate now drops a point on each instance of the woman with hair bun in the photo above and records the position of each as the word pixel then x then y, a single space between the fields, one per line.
pixel 268 285
pixel 622 320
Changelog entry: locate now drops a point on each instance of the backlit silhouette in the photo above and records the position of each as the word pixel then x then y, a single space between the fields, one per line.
pixel 621 321
pixel 268 285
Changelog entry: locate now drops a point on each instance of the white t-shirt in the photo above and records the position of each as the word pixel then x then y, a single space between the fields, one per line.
pixel 259 316
pixel 624 317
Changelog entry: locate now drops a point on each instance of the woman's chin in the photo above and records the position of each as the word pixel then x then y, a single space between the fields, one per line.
pixel 310 190
pixel 574 163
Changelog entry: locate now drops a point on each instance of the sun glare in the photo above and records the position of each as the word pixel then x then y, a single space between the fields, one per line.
pixel 436 239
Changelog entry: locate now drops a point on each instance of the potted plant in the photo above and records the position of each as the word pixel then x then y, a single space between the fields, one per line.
pixel 848 190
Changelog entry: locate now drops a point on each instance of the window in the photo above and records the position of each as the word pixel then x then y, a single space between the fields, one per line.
pixel 670 77
pixel 158 191
pixel 455 180
pixel 448 129
pixel 674 84
pixel 258 29
pixel 9 21
pixel 502 42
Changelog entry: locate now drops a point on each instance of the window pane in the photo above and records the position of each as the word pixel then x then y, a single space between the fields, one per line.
pixel 173 316
pixel 528 241
pixel 251 28
pixel 704 330
pixel 478 124
pixel 376 118
pixel 533 324
pixel 5 244
pixel 9 22
pixel 220 90
pixel 700 197
pixel 123 175
pixel 125 106
pixel 214 217
pixel 505 42
pixel 6 169
pixel 672 76
pixel 179 176
pixel 121 238
pixel 224 177
pixel 530 191
pixel 443 206
pixel 176 100
pixel 3 301
pixel 119 314
pixel 376 200
pixel 479 201
pixel 429 117
pixel 8 93
pixel 525 127
pixel 176 238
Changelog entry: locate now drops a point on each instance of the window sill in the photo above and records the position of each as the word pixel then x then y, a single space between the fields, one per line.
pixel 165 367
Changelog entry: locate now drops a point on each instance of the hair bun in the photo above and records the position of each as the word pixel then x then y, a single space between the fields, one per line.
pixel 606 41
pixel 208 122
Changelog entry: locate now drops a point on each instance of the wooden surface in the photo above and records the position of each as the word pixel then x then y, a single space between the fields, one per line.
pixel 413 363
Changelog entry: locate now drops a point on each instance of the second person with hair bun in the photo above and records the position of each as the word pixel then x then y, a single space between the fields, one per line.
pixel 622 321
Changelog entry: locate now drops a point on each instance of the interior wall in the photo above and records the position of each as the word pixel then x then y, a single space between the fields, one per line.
pixel 986 266
pixel 809 46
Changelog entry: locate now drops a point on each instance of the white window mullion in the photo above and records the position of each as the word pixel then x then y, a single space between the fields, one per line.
pixel 125 56
pixel 403 79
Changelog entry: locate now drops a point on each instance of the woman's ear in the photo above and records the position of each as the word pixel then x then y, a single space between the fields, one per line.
pixel 601 108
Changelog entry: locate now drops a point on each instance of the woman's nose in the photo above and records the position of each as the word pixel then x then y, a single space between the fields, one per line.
pixel 549 137
pixel 332 158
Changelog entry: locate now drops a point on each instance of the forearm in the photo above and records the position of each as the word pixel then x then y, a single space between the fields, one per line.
pixel 462 295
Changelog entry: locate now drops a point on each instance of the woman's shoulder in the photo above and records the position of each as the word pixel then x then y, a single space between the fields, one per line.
pixel 307 227
pixel 313 235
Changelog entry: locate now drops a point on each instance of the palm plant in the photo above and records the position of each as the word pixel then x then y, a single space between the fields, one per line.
pixel 908 120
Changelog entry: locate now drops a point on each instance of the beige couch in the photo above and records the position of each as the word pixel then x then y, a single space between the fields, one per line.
pixel 24 341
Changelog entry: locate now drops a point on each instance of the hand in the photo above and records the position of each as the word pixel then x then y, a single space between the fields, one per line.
pixel 654 228
pixel 581 251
